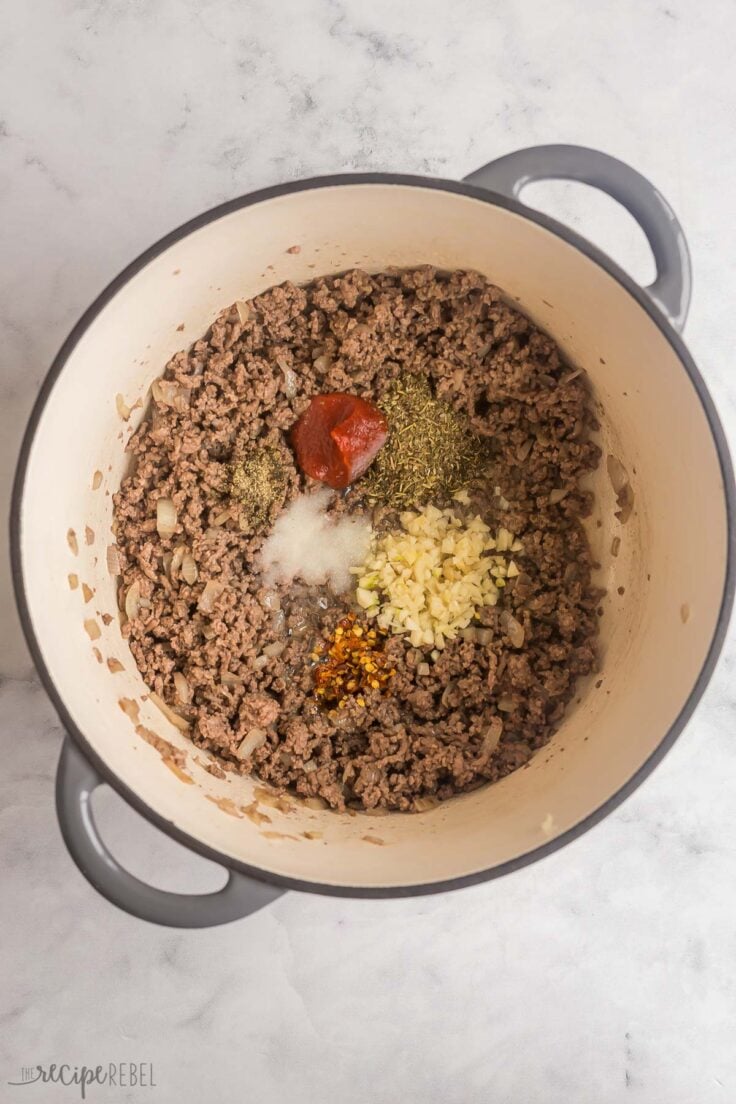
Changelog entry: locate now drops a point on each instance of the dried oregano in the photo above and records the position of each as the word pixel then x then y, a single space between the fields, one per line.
pixel 431 451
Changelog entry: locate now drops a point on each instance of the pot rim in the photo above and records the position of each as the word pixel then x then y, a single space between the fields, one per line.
pixel 571 238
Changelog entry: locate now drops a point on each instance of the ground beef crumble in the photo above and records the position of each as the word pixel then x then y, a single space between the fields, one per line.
pixel 428 739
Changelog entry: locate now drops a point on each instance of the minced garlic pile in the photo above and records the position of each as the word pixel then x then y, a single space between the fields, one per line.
pixel 430 578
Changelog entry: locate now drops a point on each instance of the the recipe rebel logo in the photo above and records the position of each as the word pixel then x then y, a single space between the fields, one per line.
pixel 121 1075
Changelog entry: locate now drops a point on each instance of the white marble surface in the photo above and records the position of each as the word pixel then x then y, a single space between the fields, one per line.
pixel 603 974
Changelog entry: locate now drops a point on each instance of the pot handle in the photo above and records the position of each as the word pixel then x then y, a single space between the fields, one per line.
pixel 76 780
pixel 671 289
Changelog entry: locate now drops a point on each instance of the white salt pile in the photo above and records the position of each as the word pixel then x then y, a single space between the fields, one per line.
pixel 306 543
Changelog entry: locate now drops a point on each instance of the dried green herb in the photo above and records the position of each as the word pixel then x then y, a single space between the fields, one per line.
pixel 431 451
pixel 256 479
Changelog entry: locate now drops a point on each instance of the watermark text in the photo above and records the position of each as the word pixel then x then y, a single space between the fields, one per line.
pixel 121 1075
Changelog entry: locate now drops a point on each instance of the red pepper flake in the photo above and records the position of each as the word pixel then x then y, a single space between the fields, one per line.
pixel 337 438
pixel 350 663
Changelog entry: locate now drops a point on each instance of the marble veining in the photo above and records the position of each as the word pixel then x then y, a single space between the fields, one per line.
pixel 605 973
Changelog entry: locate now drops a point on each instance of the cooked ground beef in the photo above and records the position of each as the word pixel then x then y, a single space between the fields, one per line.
pixel 433 736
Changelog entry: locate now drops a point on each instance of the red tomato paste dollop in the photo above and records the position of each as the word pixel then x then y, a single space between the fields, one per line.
pixel 337 438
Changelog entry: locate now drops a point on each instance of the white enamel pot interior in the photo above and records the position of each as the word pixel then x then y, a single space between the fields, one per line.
pixel 668 589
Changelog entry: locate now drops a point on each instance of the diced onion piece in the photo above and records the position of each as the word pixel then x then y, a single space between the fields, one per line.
pixel 245 313
pixel 512 628
pixel 253 740
pixel 92 629
pixel 171 715
pixel 176 561
pixel 230 679
pixel 113 559
pixel 223 516
pixel 182 687
pixel 625 499
pixel 189 568
pixel 260 662
pixel 322 363
pixel 165 391
pixel 448 692
pixel 477 635
pixel 492 736
pixel 272 601
pixel 505 704
pixel 212 591
pixel 524 449
pixel 122 407
pixel 616 473
pixel 166 517
pixel 290 380
pixel 132 600
pixel 557 495
pixel 274 649
pixel 423 670
pixel 290 383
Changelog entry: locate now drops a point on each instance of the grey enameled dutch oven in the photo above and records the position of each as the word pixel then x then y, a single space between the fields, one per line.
pixel 660 638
